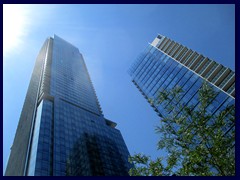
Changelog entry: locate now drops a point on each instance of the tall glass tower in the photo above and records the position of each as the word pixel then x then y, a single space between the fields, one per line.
pixel 62 130
pixel 165 64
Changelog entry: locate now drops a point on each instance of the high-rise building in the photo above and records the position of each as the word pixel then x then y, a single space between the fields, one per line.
pixel 165 64
pixel 62 130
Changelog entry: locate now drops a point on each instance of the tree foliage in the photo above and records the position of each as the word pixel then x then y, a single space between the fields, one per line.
pixel 144 166
pixel 197 142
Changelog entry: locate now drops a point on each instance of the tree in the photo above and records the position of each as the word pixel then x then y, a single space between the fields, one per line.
pixel 197 142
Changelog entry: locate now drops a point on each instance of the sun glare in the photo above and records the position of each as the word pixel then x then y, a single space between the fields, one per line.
pixel 14 26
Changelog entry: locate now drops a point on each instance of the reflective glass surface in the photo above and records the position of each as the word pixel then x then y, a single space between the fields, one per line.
pixel 155 71
pixel 71 136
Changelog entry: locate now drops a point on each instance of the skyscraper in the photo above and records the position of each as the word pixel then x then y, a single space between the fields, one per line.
pixel 62 130
pixel 165 64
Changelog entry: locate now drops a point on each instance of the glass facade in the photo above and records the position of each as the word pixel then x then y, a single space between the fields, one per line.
pixel 155 70
pixel 69 134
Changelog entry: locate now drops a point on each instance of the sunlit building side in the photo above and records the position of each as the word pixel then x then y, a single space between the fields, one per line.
pixel 166 64
pixel 62 130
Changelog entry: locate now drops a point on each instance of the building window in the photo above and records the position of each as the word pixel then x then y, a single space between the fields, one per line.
pixel 211 70
pixel 226 79
pixel 185 60
pixel 218 74
pixel 231 88
pixel 204 66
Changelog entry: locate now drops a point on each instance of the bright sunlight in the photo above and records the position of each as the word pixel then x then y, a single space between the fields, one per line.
pixel 15 20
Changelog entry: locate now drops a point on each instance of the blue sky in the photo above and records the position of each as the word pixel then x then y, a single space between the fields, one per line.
pixel 110 37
